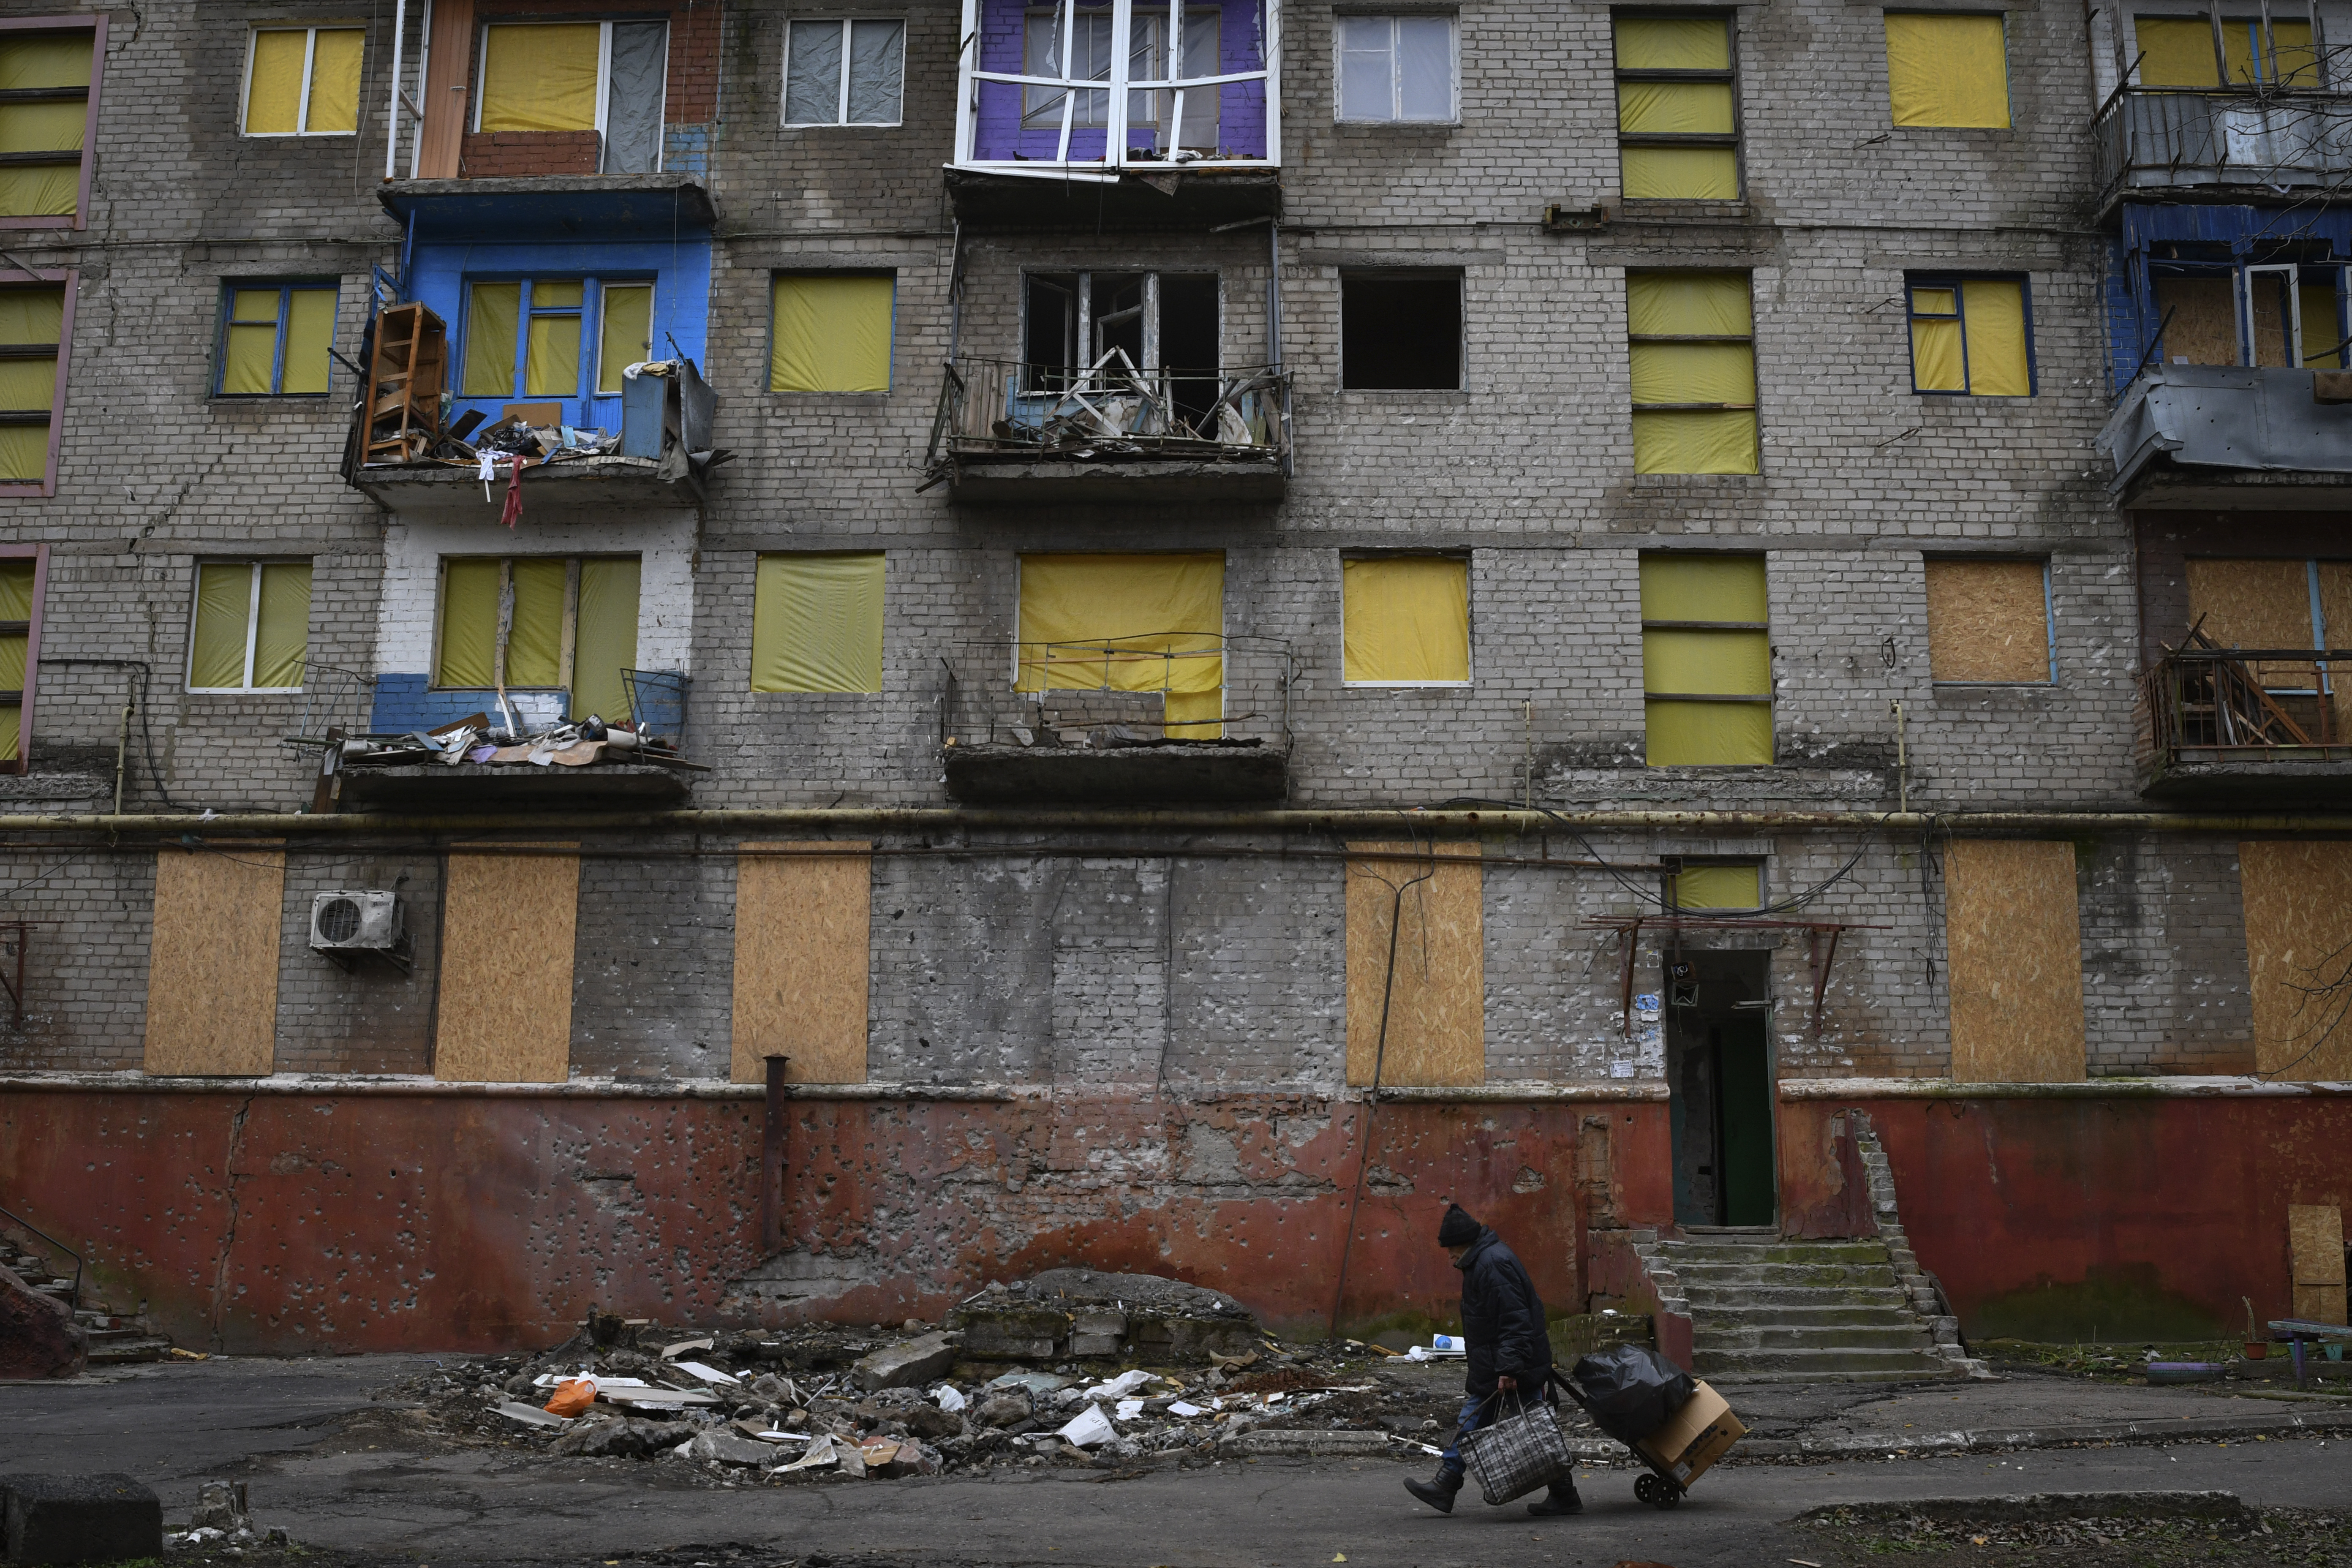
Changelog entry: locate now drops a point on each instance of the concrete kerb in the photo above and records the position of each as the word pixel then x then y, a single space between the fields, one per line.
pixel 2042 1507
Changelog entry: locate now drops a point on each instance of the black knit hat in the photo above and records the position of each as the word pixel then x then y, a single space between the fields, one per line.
pixel 1457 1228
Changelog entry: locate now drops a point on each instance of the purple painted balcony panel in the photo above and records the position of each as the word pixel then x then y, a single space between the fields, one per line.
pixel 1236 127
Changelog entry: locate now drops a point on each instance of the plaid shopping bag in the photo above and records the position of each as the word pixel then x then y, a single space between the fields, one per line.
pixel 1519 1454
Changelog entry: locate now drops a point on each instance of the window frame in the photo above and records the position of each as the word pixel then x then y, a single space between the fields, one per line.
pixel 309 61
pixel 1735 140
pixel 1760 863
pixel 847 23
pixel 591 312
pixel 69 277
pixel 569 644
pixel 2048 622
pixel 603 76
pixel 229 288
pixel 252 625
pixel 1914 281
pixel 1769 698
pixel 79 218
pixel 1453 19
pixel 1469 619
pixel 1755 410
pixel 768 386
pixel 25 699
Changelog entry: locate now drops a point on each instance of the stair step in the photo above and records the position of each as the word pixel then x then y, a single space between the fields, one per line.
pixel 1794 1296
pixel 1899 1336
pixel 132 1346
pixel 1804 1313
pixel 1839 1252
pixel 1828 1365
pixel 1825 1275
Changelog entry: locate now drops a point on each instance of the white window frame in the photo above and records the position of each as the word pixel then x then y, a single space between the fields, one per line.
pixel 1469 620
pixel 310 64
pixel 252 621
pixel 1453 21
pixel 603 74
pixel 841 100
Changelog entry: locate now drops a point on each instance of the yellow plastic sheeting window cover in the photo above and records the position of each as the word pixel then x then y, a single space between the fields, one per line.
pixel 1719 888
pixel 1707 734
pixel 43 127
pixel 1674 43
pixel 45 60
pixel 1692 663
pixel 32 315
pixel 467 648
pixel 24 454
pixel 1992 313
pixel 1406 619
pixel 249 360
pixel 16 604
pixel 1128 623
pixel 273 86
pixel 541 77
pixel 627 337
pixel 1945 70
pixel 1675 108
pixel 832 332
pixel 1688 304
pixel 1696 586
pixel 605 640
pixel 1694 441
pixel 2323 327
pixel 28 385
pixel 2289 61
pixel 16 589
pixel 309 339
pixel 223 611
pixel 40 190
pixel 1693 373
pixel 2176 51
pixel 1936 363
pixel 535 636
pixel 816 623
pixel 552 366
pixel 281 634
pixel 493 316
pixel 335 82
pixel 1679 174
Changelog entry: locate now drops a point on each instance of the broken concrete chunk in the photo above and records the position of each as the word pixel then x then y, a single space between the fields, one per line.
pixel 621 1438
pixel 1097 1330
pixel 908 1365
pixel 1006 1408
pixel 73 1518
pixel 930 1421
pixel 728 1447
pixel 991 1332
pixel 1077 1312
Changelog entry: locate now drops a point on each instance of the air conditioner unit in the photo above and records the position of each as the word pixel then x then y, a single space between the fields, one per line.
pixel 344 922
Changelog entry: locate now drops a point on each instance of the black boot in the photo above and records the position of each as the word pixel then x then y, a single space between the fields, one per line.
pixel 1439 1492
pixel 1561 1500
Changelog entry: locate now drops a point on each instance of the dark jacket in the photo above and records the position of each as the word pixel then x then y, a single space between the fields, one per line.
pixel 1502 1320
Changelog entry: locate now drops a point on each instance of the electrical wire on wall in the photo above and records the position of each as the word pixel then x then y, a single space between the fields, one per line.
pixel 146 727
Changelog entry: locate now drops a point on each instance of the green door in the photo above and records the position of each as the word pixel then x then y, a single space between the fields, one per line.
pixel 1744 1100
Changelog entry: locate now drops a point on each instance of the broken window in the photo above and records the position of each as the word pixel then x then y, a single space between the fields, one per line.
pixel 1074 324
pixel 2192 51
pixel 32 382
pixel 276 338
pixel 605 77
pixel 1397 69
pixel 1082 36
pixel 1989 622
pixel 1677 111
pixel 527 337
pixel 539 622
pixel 2281 314
pixel 2282 606
pixel 1693 348
pixel 49 82
pixel 1152 625
pixel 1970 336
pixel 250 630
pixel 1718 885
pixel 816 623
pixel 845 73
pixel 830 331
pixel 23 568
pixel 1707 659
pixel 303 81
pixel 1947 70
pixel 1400 330
pixel 1405 620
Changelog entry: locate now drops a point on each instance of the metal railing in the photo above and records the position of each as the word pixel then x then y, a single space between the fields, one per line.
pixel 1102 694
pixel 1008 408
pixel 2213 704
pixel 2163 138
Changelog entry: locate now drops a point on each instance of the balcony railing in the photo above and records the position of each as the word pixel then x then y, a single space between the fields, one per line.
pixel 1006 409
pixel 2167 139
pixel 2206 704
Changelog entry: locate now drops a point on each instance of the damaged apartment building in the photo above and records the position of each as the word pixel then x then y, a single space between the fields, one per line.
pixel 758 659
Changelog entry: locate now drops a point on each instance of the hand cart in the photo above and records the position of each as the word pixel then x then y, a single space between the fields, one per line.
pixel 1691 1441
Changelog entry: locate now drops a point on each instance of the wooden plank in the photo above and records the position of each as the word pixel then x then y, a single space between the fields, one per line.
pixel 447 71
pixel 1988 620
pixel 2015 949
pixel 803 940
pixel 1436 1001
pixel 2315 1235
pixel 212 965
pixel 507 924
pixel 2298 901
pixel 2320 1303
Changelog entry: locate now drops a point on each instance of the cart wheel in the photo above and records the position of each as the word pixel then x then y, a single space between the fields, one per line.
pixel 1646 1488
pixel 1669 1496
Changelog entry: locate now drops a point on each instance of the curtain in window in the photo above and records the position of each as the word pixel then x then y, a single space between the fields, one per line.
pixel 816 623
pixel 1406 618
pixel 1141 609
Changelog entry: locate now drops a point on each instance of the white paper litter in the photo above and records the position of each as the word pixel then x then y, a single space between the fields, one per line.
pixel 1119 1387
pixel 1186 1408
pixel 1090 1426
pixel 531 1416
pixel 710 1374
pixel 671 1352
pixel 820 1453
pixel 950 1397
pixel 775 1436
pixel 550 1379
pixel 1130 1410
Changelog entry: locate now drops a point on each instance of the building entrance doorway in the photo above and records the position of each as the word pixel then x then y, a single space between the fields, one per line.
pixel 1720 1082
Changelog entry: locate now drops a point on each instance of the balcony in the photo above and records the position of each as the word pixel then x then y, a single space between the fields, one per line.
pixel 2247 726
pixel 577 207
pixel 1175 718
pixel 2229 436
pixel 2228 144
pixel 1006 431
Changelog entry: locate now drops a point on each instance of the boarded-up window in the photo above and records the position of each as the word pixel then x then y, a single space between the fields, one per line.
pixel 2014 944
pixel 1692 352
pixel 2314 1237
pixel 1405 620
pixel 1988 621
pixel 1947 70
pixel 1677 111
pixel 507 924
pixel 1970 336
pixel 1719 885
pixel 831 332
pixel 567 623
pixel 2298 903
pixel 303 81
pixel 212 965
pixel 45 124
pixel 2198 313
pixel 251 627
pixel 1707 659
pixel 1416 1005
pixel 20 586
pixel 801 947
pixel 816 623
pixel 1128 622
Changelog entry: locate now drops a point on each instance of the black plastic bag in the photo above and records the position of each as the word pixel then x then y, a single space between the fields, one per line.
pixel 1631 1390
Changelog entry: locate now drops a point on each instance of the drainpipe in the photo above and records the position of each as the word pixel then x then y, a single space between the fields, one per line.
pixel 121 750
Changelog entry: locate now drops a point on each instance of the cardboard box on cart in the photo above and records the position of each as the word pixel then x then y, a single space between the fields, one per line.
pixel 1695 1436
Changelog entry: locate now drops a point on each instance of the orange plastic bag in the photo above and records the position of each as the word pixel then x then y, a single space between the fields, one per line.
pixel 572 1396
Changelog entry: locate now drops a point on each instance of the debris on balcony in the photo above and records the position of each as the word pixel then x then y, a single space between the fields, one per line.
pixel 2241 722
pixel 405 769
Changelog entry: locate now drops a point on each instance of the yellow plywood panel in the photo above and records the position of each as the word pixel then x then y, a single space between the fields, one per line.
pixel 2315 1235
pixel 803 940
pixel 1947 70
pixel 507 928
pixel 2015 953
pixel 2298 903
pixel 1987 621
pixel 212 965
pixel 1434 993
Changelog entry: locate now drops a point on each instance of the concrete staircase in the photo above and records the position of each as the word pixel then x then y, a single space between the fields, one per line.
pixel 1766 1308
pixel 113 1337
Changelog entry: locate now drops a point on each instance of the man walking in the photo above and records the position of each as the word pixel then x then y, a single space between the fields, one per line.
pixel 1503 1328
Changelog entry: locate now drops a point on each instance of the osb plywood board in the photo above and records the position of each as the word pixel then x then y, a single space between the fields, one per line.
pixel 2016 956
pixel 2298 901
pixel 2200 317
pixel 2335 631
pixel 504 1014
pixel 1436 1003
pixel 2251 603
pixel 803 951
pixel 1988 620
pixel 2315 1235
pixel 2320 1303
pixel 211 967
